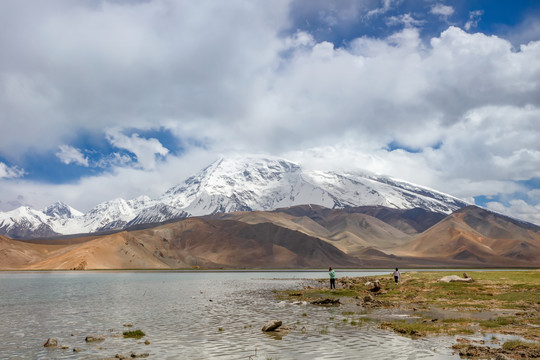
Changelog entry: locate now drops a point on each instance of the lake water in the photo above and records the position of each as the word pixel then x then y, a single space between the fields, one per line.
pixel 186 315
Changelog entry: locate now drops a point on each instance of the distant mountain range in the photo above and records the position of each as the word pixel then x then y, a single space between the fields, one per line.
pixel 253 183
pixel 303 236
pixel 259 212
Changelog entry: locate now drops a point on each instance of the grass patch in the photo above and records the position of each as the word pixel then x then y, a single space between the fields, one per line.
pixel 417 329
pixel 518 344
pixel 411 328
pixel 135 334
pixel 496 323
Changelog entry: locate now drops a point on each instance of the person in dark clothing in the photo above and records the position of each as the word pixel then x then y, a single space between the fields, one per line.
pixel 332 274
pixel 397 275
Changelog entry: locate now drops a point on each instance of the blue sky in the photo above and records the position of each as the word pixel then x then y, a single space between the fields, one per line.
pixel 105 99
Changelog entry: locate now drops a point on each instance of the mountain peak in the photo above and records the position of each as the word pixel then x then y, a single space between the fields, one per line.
pixel 61 210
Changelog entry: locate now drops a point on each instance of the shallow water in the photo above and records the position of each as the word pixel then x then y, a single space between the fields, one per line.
pixel 186 315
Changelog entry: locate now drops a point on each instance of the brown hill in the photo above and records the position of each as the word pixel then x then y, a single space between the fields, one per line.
pixel 473 236
pixel 408 221
pixel 349 231
pixel 17 254
pixel 206 243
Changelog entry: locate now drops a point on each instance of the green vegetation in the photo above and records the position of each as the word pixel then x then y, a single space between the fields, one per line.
pixel 135 334
pixel 423 328
pixel 500 321
pixel 517 345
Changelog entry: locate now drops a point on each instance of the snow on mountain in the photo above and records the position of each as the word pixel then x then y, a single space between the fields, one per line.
pixel 232 184
pixel 25 222
pixel 59 210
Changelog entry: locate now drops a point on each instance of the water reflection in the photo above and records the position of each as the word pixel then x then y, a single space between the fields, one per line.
pixel 185 315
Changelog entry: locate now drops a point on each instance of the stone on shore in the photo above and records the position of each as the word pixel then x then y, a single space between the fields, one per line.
pixel 51 342
pixel 272 325
pixel 368 298
pixel 93 338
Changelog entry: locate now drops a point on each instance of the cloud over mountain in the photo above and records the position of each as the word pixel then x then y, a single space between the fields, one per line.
pixel 135 95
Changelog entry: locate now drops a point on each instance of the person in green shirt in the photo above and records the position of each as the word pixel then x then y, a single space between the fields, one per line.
pixel 332 274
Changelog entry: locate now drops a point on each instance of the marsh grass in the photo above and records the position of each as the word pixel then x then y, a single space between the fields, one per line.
pixel 496 323
pixel 135 334
pixel 418 329
pixel 518 344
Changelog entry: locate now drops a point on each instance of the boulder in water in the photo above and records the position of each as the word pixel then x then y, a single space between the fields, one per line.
pixel 272 325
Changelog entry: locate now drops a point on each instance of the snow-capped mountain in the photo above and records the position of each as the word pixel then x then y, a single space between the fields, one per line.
pixel 231 184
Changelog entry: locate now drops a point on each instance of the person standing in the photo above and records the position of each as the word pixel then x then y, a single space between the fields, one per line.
pixel 332 274
pixel 397 275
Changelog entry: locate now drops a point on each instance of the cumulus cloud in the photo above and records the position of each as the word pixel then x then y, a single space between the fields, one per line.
pixel 145 150
pixel 460 109
pixel 68 155
pixel 7 172
pixel 442 10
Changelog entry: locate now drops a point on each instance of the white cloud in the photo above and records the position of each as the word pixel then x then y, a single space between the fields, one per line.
pixel 404 19
pixel 144 149
pixel 466 103
pixel 443 10
pixel 518 209
pixel 386 5
pixel 68 154
pixel 7 172
pixel 474 18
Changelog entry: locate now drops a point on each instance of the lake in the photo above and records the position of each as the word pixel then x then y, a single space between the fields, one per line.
pixel 187 315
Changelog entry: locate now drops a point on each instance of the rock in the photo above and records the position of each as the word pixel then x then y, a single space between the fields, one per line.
pixel 147 342
pixel 369 298
pixel 465 275
pixel 119 356
pixel 454 278
pixel 326 302
pixel 502 357
pixel 144 355
pixel 271 325
pixel 77 349
pixel 93 338
pixel 128 325
pixel 65 347
pixel 368 284
pixel 51 342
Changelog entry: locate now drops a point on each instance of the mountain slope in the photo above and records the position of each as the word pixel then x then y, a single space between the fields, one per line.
pixel 476 236
pixel 349 232
pixel 182 244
